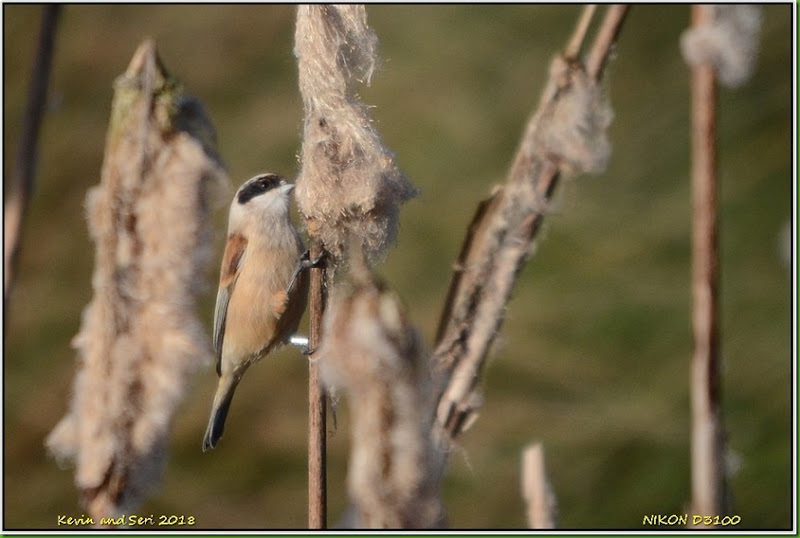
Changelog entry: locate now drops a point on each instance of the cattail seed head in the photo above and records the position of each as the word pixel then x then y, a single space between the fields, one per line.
pixel 729 42
pixel 349 184
pixel 139 336
pixel 374 354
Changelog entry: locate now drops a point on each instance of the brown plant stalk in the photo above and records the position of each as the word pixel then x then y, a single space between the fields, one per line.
pixel 23 175
pixel 708 441
pixel 317 411
pixel 720 46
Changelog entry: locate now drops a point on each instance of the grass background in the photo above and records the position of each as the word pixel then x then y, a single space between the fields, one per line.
pixel 593 357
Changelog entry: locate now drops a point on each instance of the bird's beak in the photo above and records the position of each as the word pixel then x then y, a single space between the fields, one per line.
pixel 286 188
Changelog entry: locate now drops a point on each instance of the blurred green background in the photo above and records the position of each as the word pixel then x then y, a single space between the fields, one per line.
pixel 593 358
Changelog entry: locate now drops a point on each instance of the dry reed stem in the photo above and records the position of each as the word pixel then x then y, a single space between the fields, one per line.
pixel 373 352
pixel 317 412
pixel 575 44
pixel 605 40
pixel 22 178
pixel 536 489
pixel 566 134
pixel 708 437
pixel 139 337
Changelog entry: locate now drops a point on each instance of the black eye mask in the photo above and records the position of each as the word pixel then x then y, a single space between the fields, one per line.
pixel 257 186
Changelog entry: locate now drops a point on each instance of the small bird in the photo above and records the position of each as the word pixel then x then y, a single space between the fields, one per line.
pixel 263 288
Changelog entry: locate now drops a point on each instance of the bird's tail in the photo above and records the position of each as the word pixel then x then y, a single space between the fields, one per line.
pixel 219 410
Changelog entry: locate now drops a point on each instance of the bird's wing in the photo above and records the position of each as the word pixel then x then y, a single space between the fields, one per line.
pixel 229 273
pixel 290 305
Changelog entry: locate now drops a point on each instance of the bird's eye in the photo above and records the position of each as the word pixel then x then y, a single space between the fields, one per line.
pixel 270 182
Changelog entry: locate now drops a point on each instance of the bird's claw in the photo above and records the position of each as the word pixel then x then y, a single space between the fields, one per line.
pixel 307 263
